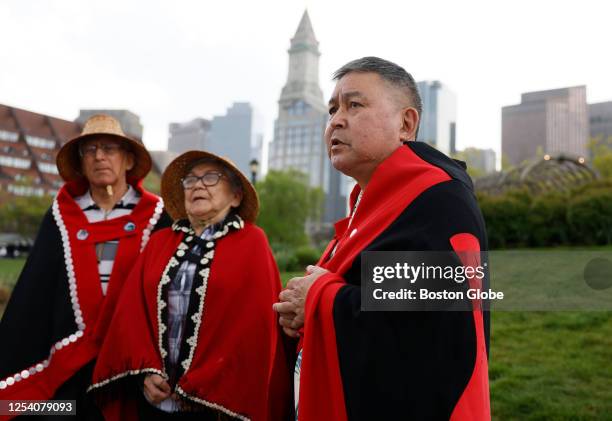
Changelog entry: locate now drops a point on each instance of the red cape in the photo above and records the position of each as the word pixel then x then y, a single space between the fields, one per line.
pixel 395 184
pixel 41 379
pixel 237 362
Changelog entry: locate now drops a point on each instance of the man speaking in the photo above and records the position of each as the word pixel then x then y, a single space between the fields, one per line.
pixel 361 365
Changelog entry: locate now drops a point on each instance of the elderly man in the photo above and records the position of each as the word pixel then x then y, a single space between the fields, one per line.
pixel 98 224
pixel 384 365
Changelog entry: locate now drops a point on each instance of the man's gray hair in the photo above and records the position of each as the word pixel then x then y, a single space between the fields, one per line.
pixel 391 72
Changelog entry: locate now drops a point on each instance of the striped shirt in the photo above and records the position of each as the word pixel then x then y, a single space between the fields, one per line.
pixel 106 251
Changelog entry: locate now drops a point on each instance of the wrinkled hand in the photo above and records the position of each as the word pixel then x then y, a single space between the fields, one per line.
pixel 292 300
pixel 156 388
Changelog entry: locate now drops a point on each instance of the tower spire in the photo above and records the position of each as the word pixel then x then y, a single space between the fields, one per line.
pixel 304 36
pixel 303 76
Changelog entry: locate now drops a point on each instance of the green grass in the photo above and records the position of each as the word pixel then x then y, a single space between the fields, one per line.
pixel 551 279
pixel 543 366
pixel 9 271
pixel 551 366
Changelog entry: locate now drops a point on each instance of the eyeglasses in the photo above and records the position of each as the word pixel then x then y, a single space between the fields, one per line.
pixel 106 148
pixel 209 179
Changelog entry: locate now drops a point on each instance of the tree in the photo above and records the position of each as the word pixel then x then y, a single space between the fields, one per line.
pixel 601 152
pixel 506 165
pixel 152 182
pixel 23 215
pixel 287 202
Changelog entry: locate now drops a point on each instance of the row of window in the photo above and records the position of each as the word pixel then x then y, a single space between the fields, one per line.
pixel 36 141
pixel 40 142
pixel 48 168
pixel 299 149
pixel 298 108
pixel 21 177
pixel 25 190
pixel 298 131
pixel 13 150
pixel 305 161
pixel 13 162
pixel 9 136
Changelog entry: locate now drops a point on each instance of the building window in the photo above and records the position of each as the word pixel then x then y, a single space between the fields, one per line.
pixel 9 136
pixel 40 142
pixel 10 161
pixel 297 108
pixel 48 168
pixel 25 190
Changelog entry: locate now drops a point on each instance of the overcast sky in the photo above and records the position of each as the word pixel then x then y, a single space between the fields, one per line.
pixel 176 60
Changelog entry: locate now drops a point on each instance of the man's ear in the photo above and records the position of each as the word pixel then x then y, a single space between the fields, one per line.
pixel 410 123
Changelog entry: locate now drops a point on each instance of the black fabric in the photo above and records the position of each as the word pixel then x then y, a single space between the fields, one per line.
pixel 117 206
pixel 39 312
pixel 147 412
pixel 164 221
pixel 411 365
pixel 453 167
pixel 75 389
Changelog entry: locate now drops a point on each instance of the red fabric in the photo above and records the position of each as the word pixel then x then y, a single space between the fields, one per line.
pixel 67 361
pixel 474 403
pixel 380 205
pixel 64 364
pixel 322 364
pixel 239 362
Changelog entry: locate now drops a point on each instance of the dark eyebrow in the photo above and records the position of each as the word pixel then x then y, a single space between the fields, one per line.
pixel 347 95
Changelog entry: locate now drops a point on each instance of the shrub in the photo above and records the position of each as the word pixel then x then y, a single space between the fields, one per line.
pixel 286 260
pixel 506 219
pixel 548 220
pixel 306 256
pixel 590 216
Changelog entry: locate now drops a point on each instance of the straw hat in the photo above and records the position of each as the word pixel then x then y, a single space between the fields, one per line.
pixel 173 194
pixel 69 160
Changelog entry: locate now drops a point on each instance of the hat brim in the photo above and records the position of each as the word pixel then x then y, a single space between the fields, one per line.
pixel 174 196
pixel 69 161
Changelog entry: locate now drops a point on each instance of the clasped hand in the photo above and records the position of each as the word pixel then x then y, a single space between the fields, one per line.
pixel 292 299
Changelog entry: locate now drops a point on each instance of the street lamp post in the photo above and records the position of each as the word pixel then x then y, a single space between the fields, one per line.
pixel 254 165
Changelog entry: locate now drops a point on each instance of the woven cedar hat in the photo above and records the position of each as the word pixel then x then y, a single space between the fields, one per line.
pixel 174 196
pixel 69 161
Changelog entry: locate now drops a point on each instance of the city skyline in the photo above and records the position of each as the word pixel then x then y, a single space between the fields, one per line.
pixel 200 62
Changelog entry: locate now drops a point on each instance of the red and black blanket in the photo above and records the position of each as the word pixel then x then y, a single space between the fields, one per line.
pixel 361 365
pixel 232 357
pixel 57 316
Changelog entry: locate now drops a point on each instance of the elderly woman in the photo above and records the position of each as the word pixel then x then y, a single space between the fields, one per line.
pixel 194 334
